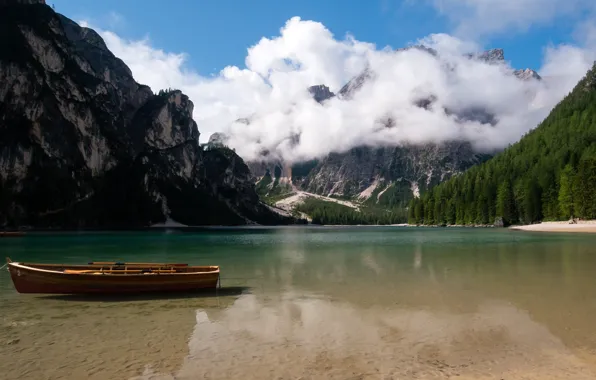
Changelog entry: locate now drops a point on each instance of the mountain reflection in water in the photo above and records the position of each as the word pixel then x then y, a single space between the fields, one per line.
pixel 300 336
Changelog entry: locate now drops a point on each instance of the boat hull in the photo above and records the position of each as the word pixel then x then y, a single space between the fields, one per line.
pixel 27 280
pixel 11 234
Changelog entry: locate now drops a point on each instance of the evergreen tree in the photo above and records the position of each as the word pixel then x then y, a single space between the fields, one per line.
pixel 325 212
pixel 412 211
pixel 549 174
pixel 586 187
pixel 419 211
pixel 566 192
pixel 505 207
pixel 532 202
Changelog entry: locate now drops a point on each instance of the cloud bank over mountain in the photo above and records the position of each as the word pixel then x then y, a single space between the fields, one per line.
pixel 285 121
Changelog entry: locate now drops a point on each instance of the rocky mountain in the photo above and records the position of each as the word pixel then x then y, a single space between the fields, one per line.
pixel 82 144
pixel 389 176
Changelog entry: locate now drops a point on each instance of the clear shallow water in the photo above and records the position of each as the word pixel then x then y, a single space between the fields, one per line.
pixel 316 303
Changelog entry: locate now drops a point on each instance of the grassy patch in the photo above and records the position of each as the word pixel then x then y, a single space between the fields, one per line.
pixel 273 199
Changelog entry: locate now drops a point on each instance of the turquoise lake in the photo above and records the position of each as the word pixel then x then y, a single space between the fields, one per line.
pixel 315 303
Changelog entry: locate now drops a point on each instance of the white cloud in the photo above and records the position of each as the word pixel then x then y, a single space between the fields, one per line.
pixel 273 85
pixel 484 17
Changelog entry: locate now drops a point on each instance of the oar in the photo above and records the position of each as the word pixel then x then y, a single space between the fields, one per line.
pixel 139 264
pixel 116 271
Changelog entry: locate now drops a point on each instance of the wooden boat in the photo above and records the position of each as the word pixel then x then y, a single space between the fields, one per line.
pixel 11 233
pixel 110 277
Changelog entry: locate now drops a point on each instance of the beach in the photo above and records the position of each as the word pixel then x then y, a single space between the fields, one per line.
pixel 583 226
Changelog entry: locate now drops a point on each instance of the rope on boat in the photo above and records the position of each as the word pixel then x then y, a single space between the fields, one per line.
pixel 2 267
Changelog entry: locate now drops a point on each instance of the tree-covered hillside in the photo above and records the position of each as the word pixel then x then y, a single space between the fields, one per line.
pixel 323 212
pixel 550 174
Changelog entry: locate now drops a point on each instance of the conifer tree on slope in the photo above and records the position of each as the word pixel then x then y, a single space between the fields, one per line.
pixel 550 174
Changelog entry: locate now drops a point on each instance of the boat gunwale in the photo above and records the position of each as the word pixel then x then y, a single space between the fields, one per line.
pixel 26 267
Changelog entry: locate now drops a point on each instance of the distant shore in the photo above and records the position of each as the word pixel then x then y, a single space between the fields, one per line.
pixel 583 226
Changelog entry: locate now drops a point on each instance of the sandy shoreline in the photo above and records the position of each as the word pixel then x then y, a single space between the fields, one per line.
pixel 587 226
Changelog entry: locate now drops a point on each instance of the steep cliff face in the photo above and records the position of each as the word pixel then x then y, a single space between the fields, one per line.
pixel 83 145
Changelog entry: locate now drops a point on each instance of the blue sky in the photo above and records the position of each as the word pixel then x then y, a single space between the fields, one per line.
pixel 215 34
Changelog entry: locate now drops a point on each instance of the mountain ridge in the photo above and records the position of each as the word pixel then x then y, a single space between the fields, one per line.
pixel 83 145
pixel 388 176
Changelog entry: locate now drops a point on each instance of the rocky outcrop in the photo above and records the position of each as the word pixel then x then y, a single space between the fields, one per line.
pixel 82 144
pixel 355 84
pixel 320 93
pixel 218 140
pixel 490 56
pixel 497 56
pixel 527 74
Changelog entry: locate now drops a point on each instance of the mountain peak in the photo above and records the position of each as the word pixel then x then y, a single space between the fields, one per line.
pixel 489 56
pixel 426 49
pixel 320 93
pixel 527 74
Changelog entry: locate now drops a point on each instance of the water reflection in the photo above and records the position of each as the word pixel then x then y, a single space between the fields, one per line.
pixel 300 335
pixel 369 261
pixel 318 303
pixel 418 257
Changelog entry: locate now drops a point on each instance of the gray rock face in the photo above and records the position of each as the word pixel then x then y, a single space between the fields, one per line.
pixel 481 115
pixel 527 74
pixel 368 173
pixel 218 140
pixel 497 56
pixel 83 145
pixel 355 84
pixel 260 168
pixel 491 56
pixel 423 48
pixel 320 93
